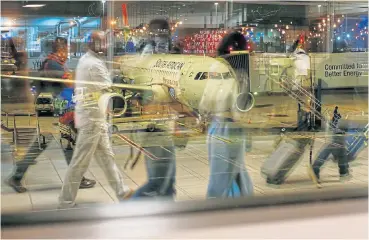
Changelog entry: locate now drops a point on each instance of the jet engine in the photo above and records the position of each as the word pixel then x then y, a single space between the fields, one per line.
pixel 245 102
pixel 240 64
pixel 113 103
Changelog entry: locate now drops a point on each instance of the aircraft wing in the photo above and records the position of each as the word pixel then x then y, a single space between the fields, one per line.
pixel 129 87
pixel 133 87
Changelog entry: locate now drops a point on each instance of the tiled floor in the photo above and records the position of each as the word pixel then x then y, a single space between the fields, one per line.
pixel 44 180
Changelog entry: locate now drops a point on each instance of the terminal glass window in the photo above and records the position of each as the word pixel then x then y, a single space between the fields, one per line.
pixel 295 74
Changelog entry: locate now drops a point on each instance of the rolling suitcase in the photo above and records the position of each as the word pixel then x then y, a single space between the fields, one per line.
pixel 355 144
pixel 282 160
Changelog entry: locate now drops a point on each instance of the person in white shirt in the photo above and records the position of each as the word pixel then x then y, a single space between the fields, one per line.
pixel 90 120
pixel 302 82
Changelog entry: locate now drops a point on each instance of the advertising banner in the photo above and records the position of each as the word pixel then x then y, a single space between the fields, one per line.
pixel 336 70
pixel 340 70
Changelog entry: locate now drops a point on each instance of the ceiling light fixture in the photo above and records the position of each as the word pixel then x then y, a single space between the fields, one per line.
pixel 34 5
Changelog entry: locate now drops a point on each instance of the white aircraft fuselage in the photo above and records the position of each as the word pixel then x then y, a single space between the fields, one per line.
pixel 178 77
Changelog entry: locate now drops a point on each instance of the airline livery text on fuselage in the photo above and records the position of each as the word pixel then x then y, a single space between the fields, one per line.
pixel 172 65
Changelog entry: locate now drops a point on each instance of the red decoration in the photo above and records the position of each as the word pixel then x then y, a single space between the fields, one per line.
pixel 125 14
pixel 206 41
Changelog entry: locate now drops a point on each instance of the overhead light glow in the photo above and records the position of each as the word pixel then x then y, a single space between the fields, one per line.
pixel 216 3
pixel 319 6
pixel 34 5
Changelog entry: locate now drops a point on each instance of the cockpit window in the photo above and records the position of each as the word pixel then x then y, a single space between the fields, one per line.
pixel 204 76
pixel 212 75
pixel 215 75
pixel 198 75
pixel 227 75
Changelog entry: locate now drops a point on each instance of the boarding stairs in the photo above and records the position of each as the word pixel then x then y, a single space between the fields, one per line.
pixel 300 94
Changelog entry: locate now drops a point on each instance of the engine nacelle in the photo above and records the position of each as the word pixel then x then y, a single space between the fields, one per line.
pixel 245 102
pixel 113 103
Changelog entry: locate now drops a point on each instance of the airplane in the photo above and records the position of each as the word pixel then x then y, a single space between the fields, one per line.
pixel 182 78
pixel 165 78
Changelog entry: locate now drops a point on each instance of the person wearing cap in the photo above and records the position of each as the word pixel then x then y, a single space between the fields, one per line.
pixel 90 120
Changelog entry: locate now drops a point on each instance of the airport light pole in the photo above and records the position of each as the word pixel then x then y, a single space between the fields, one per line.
pixel 216 14
pixel 103 14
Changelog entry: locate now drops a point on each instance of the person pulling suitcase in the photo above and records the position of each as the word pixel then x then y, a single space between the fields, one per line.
pixel 343 147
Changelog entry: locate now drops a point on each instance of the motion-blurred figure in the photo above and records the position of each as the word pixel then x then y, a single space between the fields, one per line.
pixel 226 141
pixel 301 74
pixel 90 120
pixel 161 171
pixel 54 67
pixel 336 147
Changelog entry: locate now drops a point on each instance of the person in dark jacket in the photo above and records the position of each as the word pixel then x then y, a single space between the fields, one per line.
pixel 336 147
pixel 53 67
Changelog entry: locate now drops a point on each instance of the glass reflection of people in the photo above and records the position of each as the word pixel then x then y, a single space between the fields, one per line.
pixel 337 148
pixel 54 67
pixel 160 171
pixel 226 141
pixel 90 120
pixel 301 75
